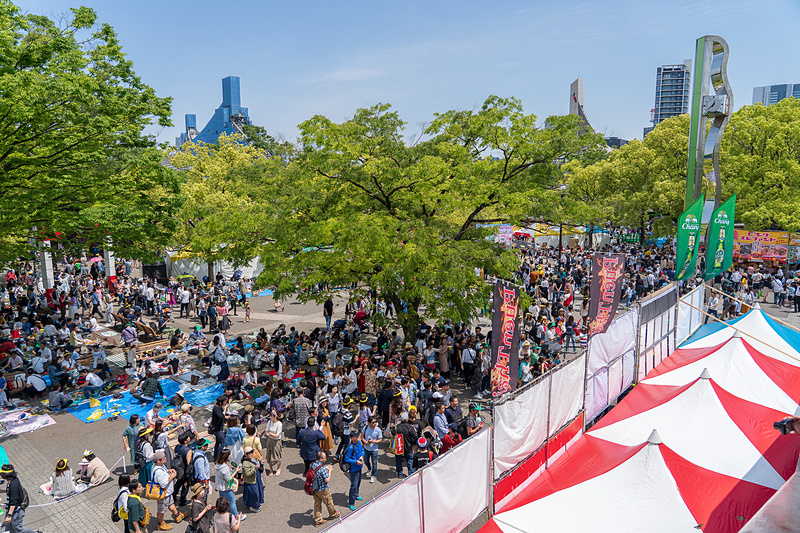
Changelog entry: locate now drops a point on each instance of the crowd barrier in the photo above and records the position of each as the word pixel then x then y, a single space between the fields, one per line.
pixel 533 425
pixel 431 499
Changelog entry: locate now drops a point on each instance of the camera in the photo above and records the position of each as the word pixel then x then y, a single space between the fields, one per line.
pixel 784 426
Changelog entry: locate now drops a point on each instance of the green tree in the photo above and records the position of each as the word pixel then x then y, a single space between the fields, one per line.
pixel 74 158
pixel 360 205
pixel 760 162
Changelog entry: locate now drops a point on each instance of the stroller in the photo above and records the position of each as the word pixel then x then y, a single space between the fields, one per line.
pixel 361 319
pixel 435 443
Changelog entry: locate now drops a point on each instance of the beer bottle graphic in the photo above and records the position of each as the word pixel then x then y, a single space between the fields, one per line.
pixel 689 254
pixel 719 256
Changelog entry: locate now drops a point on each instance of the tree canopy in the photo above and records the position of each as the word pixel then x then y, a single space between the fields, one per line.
pixel 74 159
pixel 358 204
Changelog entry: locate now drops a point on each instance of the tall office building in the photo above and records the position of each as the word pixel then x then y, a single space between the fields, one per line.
pixel 672 92
pixel 228 118
pixel 772 94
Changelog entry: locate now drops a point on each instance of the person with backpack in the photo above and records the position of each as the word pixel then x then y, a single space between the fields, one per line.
pixel 16 501
pixel 409 439
pixel 183 464
pixel 144 454
pixel 317 483
pixel 120 509
pixel 202 467
pixel 137 512
pixel 352 463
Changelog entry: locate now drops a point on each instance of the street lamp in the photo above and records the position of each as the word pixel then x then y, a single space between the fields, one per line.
pixel 563 189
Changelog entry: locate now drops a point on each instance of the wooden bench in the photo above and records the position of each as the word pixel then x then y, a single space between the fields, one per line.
pixel 119 318
pixel 142 348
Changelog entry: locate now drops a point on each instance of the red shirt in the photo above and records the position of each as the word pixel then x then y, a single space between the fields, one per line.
pixel 449 441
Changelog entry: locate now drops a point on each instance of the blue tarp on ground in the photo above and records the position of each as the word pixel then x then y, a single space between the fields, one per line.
pixel 127 405
pixel 265 292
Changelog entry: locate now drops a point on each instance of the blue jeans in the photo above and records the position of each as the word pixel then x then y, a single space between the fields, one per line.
pixel 407 458
pixel 328 322
pixel 231 497
pixel 16 522
pixel 88 391
pixel 371 461
pixel 355 484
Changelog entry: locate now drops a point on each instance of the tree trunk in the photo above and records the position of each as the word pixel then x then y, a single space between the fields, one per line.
pixel 211 271
pixel 641 232
pixel 409 321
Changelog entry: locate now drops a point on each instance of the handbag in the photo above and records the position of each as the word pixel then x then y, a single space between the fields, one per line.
pixel 215 369
pixel 154 491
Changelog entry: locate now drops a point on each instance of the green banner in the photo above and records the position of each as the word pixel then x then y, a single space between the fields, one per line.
pixel 689 240
pixel 719 244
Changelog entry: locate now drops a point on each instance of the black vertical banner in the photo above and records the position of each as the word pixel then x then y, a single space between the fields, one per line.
pixel 605 290
pixel 505 338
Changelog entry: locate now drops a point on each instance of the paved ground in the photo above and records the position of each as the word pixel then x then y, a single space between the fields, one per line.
pixel 286 508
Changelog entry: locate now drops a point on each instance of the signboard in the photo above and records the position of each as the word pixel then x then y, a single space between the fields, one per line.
pixel 719 245
pixel 689 240
pixel 794 249
pixel 505 234
pixel 757 246
pixel 605 290
pixel 505 338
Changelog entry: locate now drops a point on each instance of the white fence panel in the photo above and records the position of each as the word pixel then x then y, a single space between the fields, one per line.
pixel 566 396
pixel 520 427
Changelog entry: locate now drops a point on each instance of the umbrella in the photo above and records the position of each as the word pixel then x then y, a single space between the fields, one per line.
pixel 95 259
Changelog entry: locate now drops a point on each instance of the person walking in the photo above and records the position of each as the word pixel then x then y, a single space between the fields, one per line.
pixel 121 501
pixel 252 485
pixel 322 492
pixel 130 438
pixel 164 477
pixel 327 312
pixel 200 511
pixel 135 507
pixel 409 436
pixel 226 520
pixel 354 457
pixel 16 501
pixel 372 438
pixel 309 441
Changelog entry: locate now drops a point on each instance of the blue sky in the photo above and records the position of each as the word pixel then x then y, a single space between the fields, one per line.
pixel 298 59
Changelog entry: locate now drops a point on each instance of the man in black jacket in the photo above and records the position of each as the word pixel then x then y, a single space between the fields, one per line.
pixel 15 496
pixel 410 437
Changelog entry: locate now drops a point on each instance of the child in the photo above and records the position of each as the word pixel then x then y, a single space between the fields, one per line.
pixel 247 311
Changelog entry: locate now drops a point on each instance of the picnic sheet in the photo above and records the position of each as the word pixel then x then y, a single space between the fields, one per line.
pixel 127 405
pixel 17 425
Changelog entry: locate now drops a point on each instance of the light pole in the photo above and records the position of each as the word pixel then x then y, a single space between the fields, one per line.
pixel 563 189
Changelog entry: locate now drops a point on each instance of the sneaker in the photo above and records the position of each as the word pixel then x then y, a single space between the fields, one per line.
pixel 352 507
pixel 242 519
pixel 254 510
pixel 359 498
pixel 372 479
pixel 179 517
pixel 163 526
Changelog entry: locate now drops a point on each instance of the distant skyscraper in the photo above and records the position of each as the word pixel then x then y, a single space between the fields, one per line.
pixel 228 118
pixel 576 102
pixel 672 92
pixel 772 94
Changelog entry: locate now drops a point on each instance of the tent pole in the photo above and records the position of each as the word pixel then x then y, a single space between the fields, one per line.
pixel 547 440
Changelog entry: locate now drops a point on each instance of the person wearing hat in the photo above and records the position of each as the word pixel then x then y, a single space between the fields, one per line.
pixel 423 455
pixel 252 485
pixel 202 467
pixel 164 478
pixel 146 451
pixel 347 425
pixel 474 422
pixel 354 457
pixel 177 399
pixel 14 497
pixel 199 514
pixel 94 471
pixel 152 415
pixel 62 483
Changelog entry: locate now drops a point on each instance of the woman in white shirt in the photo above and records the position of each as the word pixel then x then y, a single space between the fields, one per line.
pixel 273 433
pixel 250 378
pixel 350 380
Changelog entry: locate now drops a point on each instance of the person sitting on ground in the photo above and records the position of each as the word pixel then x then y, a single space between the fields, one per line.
pixel 96 472
pixel 35 384
pixel 93 383
pixel 57 400
pixel 15 362
pixel 147 390
pixel 62 483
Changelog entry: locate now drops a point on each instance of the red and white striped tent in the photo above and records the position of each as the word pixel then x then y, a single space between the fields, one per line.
pixel 713 460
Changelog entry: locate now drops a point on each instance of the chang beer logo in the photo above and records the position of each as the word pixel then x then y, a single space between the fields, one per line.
pixel 722 219
pixel 691 223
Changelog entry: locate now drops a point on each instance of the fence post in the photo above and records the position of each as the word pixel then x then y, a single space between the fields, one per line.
pixel 547 438
pixel 636 354
pixel 421 501
pixel 585 382
pixel 491 463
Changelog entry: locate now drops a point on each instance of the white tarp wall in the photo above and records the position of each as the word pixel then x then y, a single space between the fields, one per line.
pixel 398 510
pixel 456 488
pixel 521 423
pixel 444 496
pixel 657 330
pixel 690 319
pixel 610 368
pixel 199 268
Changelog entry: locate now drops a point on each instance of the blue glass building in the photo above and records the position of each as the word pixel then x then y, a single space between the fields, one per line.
pixel 228 118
